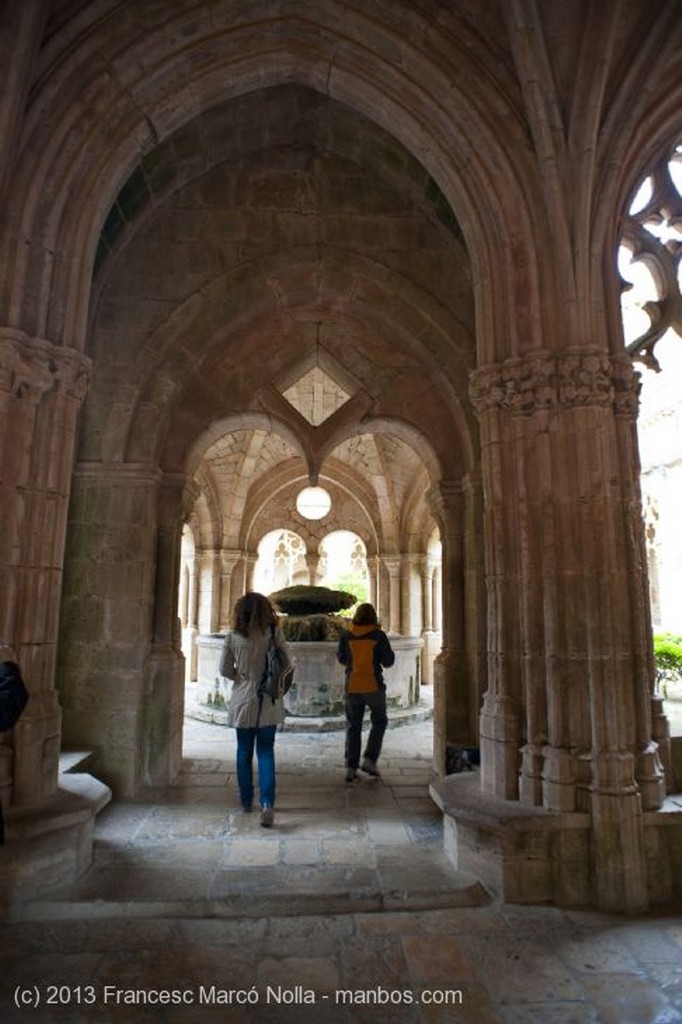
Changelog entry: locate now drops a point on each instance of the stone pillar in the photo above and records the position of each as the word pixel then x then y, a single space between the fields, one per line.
pixel 109 612
pixel 373 572
pixel 427 567
pixel 214 576
pixel 163 708
pixel 451 677
pixel 312 560
pixel 475 607
pixel 193 617
pixel 566 688
pixel 437 599
pixel 175 494
pixel 393 566
pixel 411 610
pixel 41 389
pixel 653 768
pixel 229 559
pixel 203 560
pixel 250 559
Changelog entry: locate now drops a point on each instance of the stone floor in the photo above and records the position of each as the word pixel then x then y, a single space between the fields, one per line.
pixel 345 910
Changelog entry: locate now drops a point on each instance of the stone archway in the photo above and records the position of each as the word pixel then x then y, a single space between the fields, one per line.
pixel 205 333
pixel 502 148
pixel 380 487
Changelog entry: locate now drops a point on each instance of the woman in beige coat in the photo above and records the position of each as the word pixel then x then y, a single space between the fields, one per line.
pixel 255 718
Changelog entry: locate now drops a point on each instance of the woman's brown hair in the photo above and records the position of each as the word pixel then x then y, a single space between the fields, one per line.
pixel 251 611
pixel 365 615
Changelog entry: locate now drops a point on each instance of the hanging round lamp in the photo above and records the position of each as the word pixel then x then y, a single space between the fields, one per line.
pixel 313 502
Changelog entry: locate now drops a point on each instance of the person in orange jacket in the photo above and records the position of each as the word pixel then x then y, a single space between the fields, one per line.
pixel 364 651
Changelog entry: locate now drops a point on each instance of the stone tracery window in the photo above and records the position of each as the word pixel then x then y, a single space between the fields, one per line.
pixel 343 562
pixel 281 561
pixel 650 260
pixel 650 263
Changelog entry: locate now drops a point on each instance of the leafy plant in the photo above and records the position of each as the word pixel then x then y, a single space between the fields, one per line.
pixel 305 600
pixel 354 583
pixel 302 628
pixel 668 660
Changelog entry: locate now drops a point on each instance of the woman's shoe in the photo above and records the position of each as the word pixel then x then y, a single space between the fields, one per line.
pixel 267 816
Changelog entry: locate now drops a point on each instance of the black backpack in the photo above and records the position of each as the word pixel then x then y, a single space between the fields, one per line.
pixel 13 695
pixel 278 674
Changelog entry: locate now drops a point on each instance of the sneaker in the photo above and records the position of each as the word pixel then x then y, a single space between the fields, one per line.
pixel 351 774
pixel 370 768
pixel 267 816
pixel 246 808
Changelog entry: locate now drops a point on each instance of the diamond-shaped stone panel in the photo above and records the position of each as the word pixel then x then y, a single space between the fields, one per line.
pixel 316 396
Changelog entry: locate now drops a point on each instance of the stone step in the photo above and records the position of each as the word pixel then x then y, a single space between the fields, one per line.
pixel 266 896
pixel 71 761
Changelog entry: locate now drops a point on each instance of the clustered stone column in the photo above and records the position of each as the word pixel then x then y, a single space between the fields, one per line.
pixel 566 721
pixel 428 567
pixel 229 588
pixel 312 561
pixel 41 389
pixel 393 564
pixel 451 674
pixel 373 571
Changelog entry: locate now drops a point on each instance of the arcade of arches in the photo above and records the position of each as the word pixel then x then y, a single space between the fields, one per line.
pixel 252 247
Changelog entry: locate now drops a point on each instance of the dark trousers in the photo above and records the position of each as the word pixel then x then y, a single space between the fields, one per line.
pixel 355 705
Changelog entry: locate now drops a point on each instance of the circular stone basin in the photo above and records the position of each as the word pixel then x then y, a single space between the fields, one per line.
pixel 319 679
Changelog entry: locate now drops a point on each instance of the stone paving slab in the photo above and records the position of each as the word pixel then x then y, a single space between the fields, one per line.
pixel 334 847
pixel 346 911
pixel 494 964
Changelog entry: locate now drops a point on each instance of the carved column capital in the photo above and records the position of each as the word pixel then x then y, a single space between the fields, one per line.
pixel 393 564
pixel 542 381
pixel 30 367
pixel 230 557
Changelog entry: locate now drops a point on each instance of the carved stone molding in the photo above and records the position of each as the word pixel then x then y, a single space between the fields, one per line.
pixel 131 472
pixel 544 382
pixel 30 367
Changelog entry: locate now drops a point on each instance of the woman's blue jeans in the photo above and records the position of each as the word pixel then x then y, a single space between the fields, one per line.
pixel 263 739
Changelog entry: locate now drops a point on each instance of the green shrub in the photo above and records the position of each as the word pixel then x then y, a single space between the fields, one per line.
pixel 668 660
pixel 304 600
pixel 301 628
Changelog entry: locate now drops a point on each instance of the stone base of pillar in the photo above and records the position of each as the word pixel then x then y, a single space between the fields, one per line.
pixel 432 647
pixel 49 846
pixel 190 636
pixel 451 706
pixel 531 855
pixel 620 875
pixel 499 747
pixel 558 780
pixel 676 764
pixel 651 776
pixel 530 778
pixel 37 742
pixel 660 733
pixel 521 854
pixel 164 716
